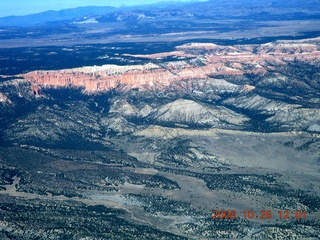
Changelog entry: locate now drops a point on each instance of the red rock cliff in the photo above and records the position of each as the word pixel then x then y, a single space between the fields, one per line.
pixel 207 60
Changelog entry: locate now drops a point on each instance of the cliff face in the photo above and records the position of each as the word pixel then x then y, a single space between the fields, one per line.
pixel 197 61
pixel 103 78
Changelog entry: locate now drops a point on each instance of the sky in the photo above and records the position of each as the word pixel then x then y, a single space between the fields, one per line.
pixel 24 7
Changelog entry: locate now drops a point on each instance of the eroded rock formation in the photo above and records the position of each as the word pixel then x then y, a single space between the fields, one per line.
pixel 195 61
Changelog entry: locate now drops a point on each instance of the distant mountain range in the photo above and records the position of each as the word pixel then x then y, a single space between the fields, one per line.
pixel 71 14
pixel 217 9
pixel 218 21
pixel 53 16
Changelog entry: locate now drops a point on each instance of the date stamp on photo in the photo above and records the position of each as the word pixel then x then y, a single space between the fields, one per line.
pixel 261 214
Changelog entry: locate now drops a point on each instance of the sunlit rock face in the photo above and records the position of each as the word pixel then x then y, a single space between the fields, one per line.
pixel 200 63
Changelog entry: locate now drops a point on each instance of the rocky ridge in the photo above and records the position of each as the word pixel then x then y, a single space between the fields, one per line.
pixel 270 87
pixel 195 61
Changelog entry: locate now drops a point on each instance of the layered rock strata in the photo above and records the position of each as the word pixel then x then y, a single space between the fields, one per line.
pixel 195 61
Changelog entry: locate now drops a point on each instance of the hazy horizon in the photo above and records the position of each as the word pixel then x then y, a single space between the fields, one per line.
pixel 22 7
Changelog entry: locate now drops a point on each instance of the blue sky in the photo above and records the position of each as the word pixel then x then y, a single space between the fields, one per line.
pixel 24 7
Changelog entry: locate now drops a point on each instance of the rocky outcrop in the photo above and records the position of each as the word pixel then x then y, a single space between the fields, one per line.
pixel 188 112
pixel 198 61
pixel 268 87
pixel 4 98
pixel 36 90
